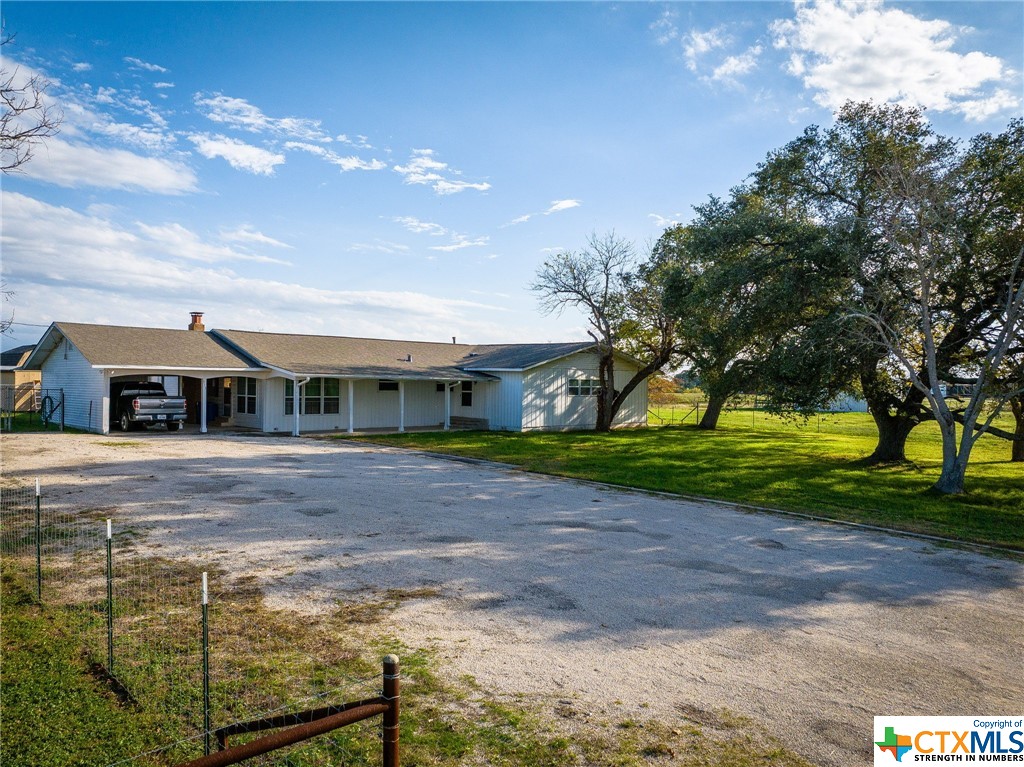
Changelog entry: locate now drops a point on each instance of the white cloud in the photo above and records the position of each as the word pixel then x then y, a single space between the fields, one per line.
pixel 461 241
pixel 72 165
pixel 379 246
pixel 163 85
pixel 139 64
pixel 142 136
pixel 345 163
pixel 86 268
pixel 736 66
pixel 239 155
pixel 420 227
pixel 518 220
pixel 176 241
pixel 697 44
pixel 239 113
pixel 556 207
pixel 246 233
pixel 662 222
pixel 664 28
pixel 81 66
pixel 559 205
pixel 862 50
pixel 422 168
pixel 360 142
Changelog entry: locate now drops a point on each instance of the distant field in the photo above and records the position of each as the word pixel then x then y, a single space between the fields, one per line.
pixel 812 467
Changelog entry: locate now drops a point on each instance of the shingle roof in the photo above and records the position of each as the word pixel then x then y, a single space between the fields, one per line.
pixel 116 346
pixel 11 358
pixel 127 347
pixel 382 358
pixel 520 356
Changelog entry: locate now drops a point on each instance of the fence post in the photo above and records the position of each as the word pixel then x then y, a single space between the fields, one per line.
pixel 206 663
pixel 39 548
pixel 110 602
pixel 391 694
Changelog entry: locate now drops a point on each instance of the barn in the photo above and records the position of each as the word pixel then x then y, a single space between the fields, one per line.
pixel 295 383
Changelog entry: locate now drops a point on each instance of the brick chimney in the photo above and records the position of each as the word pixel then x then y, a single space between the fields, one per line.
pixel 197 321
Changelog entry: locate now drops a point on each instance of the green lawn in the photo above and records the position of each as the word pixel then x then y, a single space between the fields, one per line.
pixel 757 459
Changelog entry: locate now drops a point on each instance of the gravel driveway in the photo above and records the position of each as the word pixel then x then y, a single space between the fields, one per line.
pixel 626 602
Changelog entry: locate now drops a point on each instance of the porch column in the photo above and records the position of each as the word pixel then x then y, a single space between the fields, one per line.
pixel 447 406
pixel 351 406
pixel 401 406
pixel 202 406
pixel 297 402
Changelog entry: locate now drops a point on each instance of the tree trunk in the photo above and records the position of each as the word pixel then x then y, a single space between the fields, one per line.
pixel 1017 449
pixel 951 481
pixel 714 409
pixel 606 396
pixel 893 431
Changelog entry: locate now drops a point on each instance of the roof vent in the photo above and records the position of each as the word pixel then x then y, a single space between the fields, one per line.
pixel 473 354
pixel 408 358
pixel 197 321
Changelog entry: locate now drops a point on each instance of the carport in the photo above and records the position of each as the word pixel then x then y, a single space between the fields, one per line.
pixel 83 360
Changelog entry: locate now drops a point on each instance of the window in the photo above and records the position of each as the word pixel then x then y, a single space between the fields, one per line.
pixel 311 404
pixel 332 395
pixel 441 388
pixel 245 401
pixel 467 394
pixel 583 387
pixel 319 395
pixel 387 385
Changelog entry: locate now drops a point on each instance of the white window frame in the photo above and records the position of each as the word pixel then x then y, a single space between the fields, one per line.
pixel 246 399
pixel 583 387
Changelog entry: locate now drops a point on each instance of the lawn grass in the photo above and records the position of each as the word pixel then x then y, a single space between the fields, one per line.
pixel 756 459
pixel 53 709
pixel 24 422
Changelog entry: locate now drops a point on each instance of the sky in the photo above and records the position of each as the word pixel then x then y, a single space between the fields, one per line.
pixel 402 170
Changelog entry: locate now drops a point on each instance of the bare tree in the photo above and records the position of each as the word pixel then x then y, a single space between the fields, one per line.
pixel 26 117
pixel 6 322
pixel 621 301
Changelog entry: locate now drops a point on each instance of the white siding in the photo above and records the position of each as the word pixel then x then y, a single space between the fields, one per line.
pixel 505 402
pixel 86 393
pixel 547 403
pixel 248 419
pixel 372 409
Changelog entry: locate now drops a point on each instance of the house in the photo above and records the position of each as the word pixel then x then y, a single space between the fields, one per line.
pixel 19 386
pixel 293 383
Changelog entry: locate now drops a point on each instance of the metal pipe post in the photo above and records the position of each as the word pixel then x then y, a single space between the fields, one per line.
pixel 206 663
pixel 392 695
pixel 39 548
pixel 110 602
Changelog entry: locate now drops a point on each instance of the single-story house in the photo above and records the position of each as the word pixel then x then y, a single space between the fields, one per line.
pixel 19 386
pixel 285 382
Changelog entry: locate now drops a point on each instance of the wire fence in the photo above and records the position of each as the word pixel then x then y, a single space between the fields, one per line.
pixel 30 407
pixel 745 413
pixel 190 648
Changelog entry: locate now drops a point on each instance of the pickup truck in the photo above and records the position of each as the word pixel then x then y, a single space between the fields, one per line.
pixel 136 404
